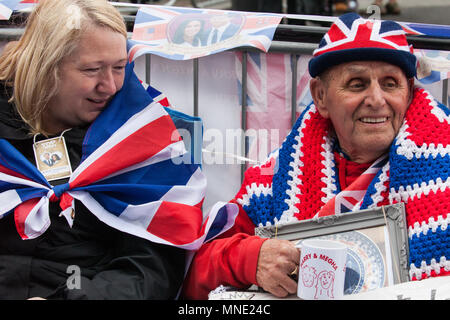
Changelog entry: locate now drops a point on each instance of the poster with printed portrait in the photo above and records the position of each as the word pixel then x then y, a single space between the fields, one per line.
pixel 52 159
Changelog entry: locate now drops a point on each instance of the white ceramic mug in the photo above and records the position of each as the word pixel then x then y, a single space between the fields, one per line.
pixel 321 269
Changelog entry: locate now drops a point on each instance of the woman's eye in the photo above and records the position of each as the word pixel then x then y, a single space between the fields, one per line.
pixel 92 69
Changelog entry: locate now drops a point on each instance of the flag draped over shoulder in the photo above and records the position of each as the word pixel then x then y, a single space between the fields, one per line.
pixel 130 177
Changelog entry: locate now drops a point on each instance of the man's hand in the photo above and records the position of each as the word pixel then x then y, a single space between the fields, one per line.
pixel 277 260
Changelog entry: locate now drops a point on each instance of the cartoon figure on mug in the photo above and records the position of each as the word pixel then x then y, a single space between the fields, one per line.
pixel 309 276
pixel 325 284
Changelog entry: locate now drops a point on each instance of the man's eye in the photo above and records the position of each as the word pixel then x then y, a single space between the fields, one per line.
pixel 390 84
pixel 356 84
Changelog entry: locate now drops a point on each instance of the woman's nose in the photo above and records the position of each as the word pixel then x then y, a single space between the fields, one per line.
pixel 107 83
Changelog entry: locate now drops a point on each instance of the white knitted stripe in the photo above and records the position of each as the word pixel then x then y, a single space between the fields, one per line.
pixel 328 164
pixel 380 187
pixel 409 149
pixel 254 189
pixel 295 165
pixel 436 111
pixel 423 228
pixel 405 194
pixel 427 269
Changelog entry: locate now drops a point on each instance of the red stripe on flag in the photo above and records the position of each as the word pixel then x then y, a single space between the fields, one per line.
pixel 10 172
pixel 256 21
pixel 21 213
pixel 134 50
pixel 177 223
pixel 138 147
pixel 150 33
pixel 352 200
pixel 328 209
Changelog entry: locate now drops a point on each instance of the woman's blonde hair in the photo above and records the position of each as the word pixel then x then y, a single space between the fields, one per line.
pixel 53 31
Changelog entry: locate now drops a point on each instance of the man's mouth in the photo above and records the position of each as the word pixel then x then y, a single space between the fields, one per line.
pixel 373 119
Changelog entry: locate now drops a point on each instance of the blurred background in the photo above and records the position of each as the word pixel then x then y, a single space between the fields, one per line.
pixel 429 11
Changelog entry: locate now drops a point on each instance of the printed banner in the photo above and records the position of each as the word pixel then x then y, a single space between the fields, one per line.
pixel 423 29
pixel 269 99
pixel 8 6
pixel 433 65
pixel 187 33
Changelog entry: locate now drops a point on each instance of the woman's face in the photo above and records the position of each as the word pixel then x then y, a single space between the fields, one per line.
pixel 88 79
pixel 192 28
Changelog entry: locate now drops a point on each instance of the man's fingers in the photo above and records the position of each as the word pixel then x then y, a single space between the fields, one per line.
pixel 276 262
pixel 289 284
pixel 279 292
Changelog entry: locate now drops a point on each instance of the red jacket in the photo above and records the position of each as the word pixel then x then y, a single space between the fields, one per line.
pixel 232 258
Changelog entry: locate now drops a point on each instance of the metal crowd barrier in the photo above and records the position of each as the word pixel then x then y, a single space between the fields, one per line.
pixel 290 39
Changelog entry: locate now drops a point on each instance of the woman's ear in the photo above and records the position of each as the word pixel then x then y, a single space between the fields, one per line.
pixel 318 88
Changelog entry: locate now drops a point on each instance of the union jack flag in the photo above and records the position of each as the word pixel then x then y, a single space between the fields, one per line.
pixel 161 30
pixel 269 98
pixel 422 29
pixel 346 200
pixel 129 177
pixel 7 7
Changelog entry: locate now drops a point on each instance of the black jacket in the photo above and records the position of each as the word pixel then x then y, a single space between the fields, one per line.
pixel 88 261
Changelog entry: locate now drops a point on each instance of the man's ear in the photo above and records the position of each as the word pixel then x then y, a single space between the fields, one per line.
pixel 317 88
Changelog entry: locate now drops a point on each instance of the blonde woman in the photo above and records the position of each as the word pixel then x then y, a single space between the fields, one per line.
pixel 54 82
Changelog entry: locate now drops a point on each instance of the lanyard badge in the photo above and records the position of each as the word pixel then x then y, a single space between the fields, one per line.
pixel 52 158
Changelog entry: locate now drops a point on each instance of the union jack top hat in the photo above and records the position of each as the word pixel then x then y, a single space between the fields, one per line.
pixel 352 38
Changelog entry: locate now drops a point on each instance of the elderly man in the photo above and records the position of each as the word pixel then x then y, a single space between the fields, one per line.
pixel 368 130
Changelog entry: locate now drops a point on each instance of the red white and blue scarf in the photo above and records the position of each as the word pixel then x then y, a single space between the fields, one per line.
pixel 300 180
pixel 134 176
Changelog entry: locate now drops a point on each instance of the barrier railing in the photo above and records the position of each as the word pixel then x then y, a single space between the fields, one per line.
pixel 289 39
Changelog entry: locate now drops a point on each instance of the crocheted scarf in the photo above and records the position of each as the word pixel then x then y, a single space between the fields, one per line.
pixel 299 178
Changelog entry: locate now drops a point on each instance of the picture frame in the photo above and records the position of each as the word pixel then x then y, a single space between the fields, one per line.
pixel 377 241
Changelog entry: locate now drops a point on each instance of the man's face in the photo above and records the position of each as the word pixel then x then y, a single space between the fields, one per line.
pixel 366 102
pixel 219 20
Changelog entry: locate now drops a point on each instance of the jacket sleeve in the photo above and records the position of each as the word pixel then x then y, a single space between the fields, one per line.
pixel 229 260
pixel 140 270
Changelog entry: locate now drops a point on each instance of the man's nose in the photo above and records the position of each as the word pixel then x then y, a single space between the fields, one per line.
pixel 375 96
